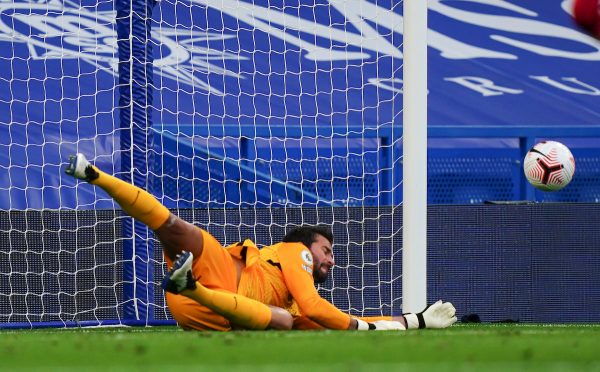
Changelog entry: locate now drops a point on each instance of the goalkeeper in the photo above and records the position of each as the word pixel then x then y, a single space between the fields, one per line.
pixel 210 287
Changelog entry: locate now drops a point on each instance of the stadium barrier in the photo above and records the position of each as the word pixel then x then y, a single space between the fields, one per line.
pixel 352 166
pixel 504 262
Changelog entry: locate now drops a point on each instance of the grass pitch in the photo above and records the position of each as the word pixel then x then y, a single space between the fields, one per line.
pixel 495 347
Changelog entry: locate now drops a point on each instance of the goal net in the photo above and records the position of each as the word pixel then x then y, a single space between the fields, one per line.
pixel 247 118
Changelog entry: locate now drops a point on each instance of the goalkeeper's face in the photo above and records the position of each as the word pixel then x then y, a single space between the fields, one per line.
pixel 322 257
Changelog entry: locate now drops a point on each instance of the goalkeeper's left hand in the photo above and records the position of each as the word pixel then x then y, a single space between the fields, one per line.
pixel 437 315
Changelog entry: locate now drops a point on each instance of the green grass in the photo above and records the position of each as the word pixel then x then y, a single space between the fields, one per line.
pixel 496 347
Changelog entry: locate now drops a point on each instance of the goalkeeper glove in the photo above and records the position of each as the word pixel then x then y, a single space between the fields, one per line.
pixel 380 325
pixel 437 315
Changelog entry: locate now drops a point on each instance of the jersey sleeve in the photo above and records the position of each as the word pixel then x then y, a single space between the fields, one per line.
pixel 297 267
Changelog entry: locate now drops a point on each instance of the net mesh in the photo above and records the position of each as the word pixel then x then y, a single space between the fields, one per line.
pixel 283 116
pixel 265 116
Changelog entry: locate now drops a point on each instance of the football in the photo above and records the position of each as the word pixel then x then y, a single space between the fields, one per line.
pixel 549 166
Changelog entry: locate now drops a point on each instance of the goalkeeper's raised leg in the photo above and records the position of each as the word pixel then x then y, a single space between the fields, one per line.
pixel 220 271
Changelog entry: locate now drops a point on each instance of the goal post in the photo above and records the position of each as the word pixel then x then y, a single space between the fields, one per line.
pixel 136 146
pixel 414 263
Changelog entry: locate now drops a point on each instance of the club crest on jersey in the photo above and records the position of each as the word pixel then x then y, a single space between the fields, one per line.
pixel 307 257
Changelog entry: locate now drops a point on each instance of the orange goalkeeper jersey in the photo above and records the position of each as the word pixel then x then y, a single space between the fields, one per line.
pixel 281 275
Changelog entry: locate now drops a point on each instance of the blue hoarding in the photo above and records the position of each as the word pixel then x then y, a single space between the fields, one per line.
pixel 274 64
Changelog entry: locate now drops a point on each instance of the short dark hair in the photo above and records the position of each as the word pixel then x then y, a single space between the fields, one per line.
pixel 308 234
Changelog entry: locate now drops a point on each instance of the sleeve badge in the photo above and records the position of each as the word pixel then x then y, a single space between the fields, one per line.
pixel 307 257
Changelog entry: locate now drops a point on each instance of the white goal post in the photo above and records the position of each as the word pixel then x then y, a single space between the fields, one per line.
pixel 414 264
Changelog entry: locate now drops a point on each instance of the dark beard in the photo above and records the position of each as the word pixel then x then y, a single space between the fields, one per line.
pixel 318 276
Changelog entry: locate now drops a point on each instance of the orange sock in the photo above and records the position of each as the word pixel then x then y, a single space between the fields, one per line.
pixel 136 202
pixel 239 309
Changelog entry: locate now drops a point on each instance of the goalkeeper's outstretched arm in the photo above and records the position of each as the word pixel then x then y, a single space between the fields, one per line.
pixel 437 315
pixel 303 265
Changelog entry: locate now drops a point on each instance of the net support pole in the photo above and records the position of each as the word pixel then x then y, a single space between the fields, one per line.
pixel 414 213
pixel 136 142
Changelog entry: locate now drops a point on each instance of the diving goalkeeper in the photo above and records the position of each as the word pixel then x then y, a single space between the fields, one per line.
pixel 210 287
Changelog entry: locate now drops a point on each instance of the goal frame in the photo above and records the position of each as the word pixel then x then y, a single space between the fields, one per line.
pixel 414 208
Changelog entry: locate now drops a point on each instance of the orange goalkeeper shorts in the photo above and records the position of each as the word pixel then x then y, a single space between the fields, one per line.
pixel 216 270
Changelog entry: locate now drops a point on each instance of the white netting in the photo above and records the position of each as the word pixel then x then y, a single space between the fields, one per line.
pixel 282 112
pixel 57 95
pixel 267 115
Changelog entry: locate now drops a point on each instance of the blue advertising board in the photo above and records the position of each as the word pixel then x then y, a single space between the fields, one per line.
pixel 278 64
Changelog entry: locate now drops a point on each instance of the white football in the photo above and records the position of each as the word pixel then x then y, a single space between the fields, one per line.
pixel 549 166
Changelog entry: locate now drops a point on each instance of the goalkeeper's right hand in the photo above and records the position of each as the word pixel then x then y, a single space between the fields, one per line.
pixel 380 325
